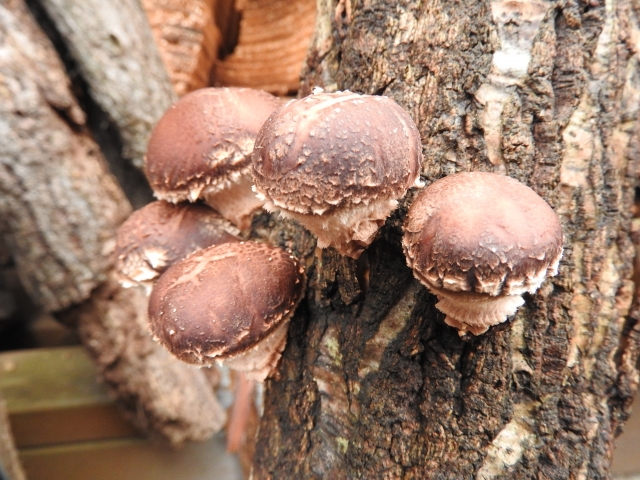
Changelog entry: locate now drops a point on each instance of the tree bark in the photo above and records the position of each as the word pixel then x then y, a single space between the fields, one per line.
pixel 113 47
pixel 10 466
pixel 372 384
pixel 59 205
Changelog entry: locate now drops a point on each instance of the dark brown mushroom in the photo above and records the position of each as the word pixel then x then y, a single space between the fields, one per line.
pixel 479 241
pixel 159 234
pixel 201 148
pixel 229 303
pixel 337 163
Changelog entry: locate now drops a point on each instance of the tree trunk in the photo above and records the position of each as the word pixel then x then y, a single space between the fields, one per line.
pixel 372 384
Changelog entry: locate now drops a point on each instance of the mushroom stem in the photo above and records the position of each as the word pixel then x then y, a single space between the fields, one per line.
pixel 259 360
pixel 349 231
pixel 475 313
pixel 239 413
pixel 236 201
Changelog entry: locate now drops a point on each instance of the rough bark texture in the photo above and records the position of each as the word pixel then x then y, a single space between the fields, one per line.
pixel 59 205
pixel 161 396
pixel 113 47
pixel 372 383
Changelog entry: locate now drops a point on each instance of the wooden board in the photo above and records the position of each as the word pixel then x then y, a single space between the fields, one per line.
pixel 53 396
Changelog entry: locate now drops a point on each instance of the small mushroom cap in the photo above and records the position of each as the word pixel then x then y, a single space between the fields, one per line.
pixel 482 233
pixel 160 233
pixel 330 151
pixel 223 300
pixel 204 141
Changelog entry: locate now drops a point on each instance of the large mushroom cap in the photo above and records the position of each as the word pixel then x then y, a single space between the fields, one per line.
pixel 160 233
pixel 475 235
pixel 333 150
pixel 224 300
pixel 337 163
pixel 205 140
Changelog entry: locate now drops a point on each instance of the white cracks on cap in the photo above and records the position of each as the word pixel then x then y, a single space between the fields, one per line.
pixel 517 23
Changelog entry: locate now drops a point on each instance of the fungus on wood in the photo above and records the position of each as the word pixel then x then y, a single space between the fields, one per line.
pixel 479 241
pixel 229 303
pixel 337 163
pixel 201 147
pixel 159 234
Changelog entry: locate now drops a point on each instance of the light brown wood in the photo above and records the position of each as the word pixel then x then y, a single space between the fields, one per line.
pixel 59 205
pixel 9 460
pixel 272 43
pixel 187 38
pixel 113 47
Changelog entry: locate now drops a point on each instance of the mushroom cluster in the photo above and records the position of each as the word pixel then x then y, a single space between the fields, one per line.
pixel 200 149
pixel 479 241
pixel 337 163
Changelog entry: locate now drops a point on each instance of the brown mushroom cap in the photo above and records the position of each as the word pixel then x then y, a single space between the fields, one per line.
pixel 337 163
pixel 476 236
pixel 204 141
pixel 329 151
pixel 159 234
pixel 222 301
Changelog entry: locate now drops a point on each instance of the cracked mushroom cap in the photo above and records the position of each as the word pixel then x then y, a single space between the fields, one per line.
pixel 204 141
pixel 160 233
pixel 230 303
pixel 337 163
pixel 479 241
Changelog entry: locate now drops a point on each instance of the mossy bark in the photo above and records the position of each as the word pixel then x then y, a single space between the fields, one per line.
pixel 372 384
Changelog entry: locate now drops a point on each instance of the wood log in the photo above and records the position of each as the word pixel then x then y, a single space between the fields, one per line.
pixel 10 467
pixel 187 38
pixel 113 47
pixel 272 43
pixel 159 394
pixel 375 385
pixel 59 205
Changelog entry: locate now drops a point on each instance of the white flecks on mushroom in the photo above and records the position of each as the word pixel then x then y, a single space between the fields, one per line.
pixel 337 163
pixel 201 148
pixel 479 241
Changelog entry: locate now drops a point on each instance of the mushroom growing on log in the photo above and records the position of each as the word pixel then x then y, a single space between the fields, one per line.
pixel 201 149
pixel 337 163
pixel 479 241
pixel 159 234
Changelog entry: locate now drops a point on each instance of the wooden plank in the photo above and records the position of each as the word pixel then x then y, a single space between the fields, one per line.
pixel 131 460
pixel 53 396
pixel 48 379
